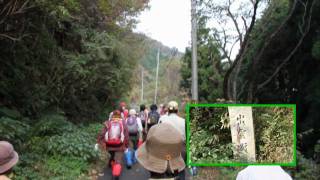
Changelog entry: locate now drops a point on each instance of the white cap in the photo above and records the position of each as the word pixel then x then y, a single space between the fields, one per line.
pixel 173 105
pixel 132 112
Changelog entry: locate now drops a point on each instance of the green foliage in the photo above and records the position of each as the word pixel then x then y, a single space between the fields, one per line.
pixel 62 61
pixel 52 167
pixel 52 124
pixel 57 153
pixel 72 167
pixel 67 60
pixel 209 142
pixel 210 139
pixel 77 144
pixel 210 71
pixel 316 50
pixel 122 11
pixel 306 168
pixel 4 111
pixel 274 134
pixel 14 131
pixel 28 165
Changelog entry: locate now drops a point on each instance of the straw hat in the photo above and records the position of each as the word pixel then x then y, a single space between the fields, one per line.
pixel 8 157
pixel 162 149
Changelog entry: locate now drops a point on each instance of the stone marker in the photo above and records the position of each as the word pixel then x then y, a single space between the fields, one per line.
pixel 242 132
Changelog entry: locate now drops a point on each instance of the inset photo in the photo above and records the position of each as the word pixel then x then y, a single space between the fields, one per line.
pixel 241 134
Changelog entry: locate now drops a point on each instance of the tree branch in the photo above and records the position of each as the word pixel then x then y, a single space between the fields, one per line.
pixel 9 37
pixel 245 23
pixel 234 22
pixel 257 58
pixel 286 60
pixel 239 57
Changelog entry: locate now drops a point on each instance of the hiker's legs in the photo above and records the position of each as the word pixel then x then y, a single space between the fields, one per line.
pixel 118 157
pixel 133 142
pixel 112 153
pixel 182 174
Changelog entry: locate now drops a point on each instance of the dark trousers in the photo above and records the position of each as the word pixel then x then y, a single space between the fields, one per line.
pixel 133 141
pixel 182 174
pixel 117 156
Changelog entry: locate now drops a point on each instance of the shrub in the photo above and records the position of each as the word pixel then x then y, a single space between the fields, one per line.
pixel 78 144
pixel 54 167
pixel 27 166
pixel 52 124
pixel 13 131
pixel 306 169
pixel 274 134
pixel 210 139
pixel 63 167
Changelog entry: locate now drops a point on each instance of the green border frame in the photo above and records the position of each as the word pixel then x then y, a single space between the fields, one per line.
pixel 189 163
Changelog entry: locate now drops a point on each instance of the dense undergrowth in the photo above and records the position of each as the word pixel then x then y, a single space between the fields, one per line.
pixel 52 147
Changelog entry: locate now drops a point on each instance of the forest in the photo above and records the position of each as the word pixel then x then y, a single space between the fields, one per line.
pixel 65 64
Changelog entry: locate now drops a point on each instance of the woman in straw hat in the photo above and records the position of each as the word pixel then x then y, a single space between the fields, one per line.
pixel 161 153
pixel 8 158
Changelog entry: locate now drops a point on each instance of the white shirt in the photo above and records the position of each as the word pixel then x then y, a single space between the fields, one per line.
pixel 263 173
pixel 175 121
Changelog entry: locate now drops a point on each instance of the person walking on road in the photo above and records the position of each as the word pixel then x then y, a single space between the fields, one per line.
pixel 123 111
pixel 8 158
pixel 173 119
pixel 153 117
pixel 143 115
pixel 134 128
pixel 162 110
pixel 114 138
pixel 161 153
pixel 178 123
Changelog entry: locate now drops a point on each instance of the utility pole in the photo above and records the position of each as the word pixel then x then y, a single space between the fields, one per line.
pixel 157 74
pixel 141 85
pixel 194 88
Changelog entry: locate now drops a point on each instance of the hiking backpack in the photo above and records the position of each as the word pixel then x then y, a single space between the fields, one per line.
pixel 132 125
pixel 114 136
pixel 154 117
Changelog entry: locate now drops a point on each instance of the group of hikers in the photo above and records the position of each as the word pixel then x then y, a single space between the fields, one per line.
pixel 155 139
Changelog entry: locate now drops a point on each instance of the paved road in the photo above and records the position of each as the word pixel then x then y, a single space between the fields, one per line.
pixel 137 172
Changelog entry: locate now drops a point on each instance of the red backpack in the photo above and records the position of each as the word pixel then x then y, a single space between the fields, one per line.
pixel 114 136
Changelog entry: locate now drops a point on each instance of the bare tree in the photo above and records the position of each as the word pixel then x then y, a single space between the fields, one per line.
pixel 233 23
